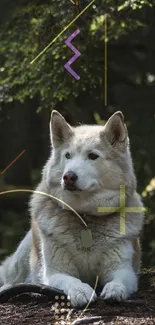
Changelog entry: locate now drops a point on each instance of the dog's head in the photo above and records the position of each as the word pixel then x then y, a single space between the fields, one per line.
pixel 90 160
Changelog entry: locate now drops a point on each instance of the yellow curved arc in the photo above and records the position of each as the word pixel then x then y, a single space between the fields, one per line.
pixel 46 194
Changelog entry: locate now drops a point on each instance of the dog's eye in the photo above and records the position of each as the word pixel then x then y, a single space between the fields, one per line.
pixel 67 155
pixel 92 156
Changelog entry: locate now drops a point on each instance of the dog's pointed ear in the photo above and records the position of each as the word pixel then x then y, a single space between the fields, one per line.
pixel 60 130
pixel 115 129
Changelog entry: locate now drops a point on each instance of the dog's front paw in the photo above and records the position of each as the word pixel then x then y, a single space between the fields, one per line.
pixel 81 294
pixel 114 291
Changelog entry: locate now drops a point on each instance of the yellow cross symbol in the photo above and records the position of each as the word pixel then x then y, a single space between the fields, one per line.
pixel 122 209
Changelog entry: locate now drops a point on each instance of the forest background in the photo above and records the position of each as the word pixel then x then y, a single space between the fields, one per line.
pixel 29 92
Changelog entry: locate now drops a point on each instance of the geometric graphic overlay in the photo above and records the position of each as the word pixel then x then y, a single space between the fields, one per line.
pixel 122 209
pixel 74 57
pixel 12 162
pixel 54 29
pixel 86 238
pixel 62 31
pixel 61 307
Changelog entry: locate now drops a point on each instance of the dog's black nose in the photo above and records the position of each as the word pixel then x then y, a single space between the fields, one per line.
pixel 70 178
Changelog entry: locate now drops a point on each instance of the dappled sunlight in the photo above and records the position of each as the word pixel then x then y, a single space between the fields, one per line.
pixel 149 188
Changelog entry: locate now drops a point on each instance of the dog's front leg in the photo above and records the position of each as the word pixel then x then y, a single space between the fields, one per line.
pixel 60 271
pixel 123 283
pixel 120 277
pixel 78 292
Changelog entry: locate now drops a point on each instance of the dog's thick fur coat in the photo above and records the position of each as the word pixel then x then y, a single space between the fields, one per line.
pixel 52 252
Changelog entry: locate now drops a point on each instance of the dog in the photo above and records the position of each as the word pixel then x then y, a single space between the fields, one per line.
pixel 72 242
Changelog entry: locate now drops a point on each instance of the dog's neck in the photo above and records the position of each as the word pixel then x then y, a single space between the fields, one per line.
pixel 91 203
pixel 103 203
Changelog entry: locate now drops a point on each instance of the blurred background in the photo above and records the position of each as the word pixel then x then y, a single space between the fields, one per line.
pixel 29 92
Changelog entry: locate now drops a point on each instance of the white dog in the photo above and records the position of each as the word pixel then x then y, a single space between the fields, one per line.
pixel 87 166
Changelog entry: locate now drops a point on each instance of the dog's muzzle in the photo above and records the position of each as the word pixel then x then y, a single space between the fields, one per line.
pixel 70 187
pixel 69 180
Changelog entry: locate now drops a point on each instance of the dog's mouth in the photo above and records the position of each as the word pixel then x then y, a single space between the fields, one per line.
pixel 70 187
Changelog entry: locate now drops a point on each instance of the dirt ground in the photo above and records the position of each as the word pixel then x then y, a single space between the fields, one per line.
pixel 36 309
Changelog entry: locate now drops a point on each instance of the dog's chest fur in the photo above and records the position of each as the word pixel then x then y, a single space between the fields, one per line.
pixel 66 249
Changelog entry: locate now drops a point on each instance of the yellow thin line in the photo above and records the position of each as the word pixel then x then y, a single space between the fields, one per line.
pixel 62 32
pixel 122 222
pixel 49 195
pixel 108 209
pixel 95 286
pixel 105 62
pixel 122 211
pixel 135 209
pixel 122 196
pixel 117 209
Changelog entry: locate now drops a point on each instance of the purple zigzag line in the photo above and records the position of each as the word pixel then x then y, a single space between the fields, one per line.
pixel 74 57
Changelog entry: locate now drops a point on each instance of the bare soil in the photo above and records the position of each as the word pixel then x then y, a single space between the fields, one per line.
pixel 37 309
